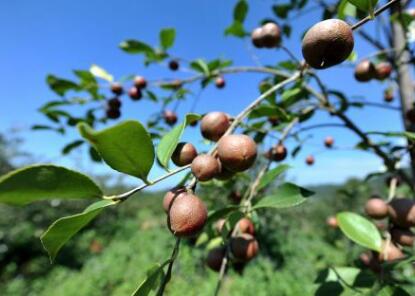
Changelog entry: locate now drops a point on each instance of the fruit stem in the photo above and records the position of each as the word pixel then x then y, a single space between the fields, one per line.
pixel 376 13
pixel 167 277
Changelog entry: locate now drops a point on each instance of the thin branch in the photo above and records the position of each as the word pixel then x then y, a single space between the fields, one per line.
pixel 167 277
pixel 376 13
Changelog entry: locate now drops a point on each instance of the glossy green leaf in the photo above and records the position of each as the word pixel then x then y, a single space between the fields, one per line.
pixel 125 147
pixel 167 37
pixel 240 11
pixel 99 72
pixel 201 66
pixel 136 47
pixel 169 142
pixel 236 29
pixel 73 145
pixel 271 175
pixel 346 9
pixel 64 228
pixel 365 5
pixel 60 85
pixel 360 230
pixel 151 282
pixel 217 214
pixel 287 195
pixel 41 182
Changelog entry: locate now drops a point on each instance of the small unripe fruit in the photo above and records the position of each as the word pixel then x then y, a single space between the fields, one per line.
pixel 215 257
pixel 371 261
pixel 309 160
pixel 140 82
pixel 235 197
pixel 114 103
pixel 224 174
pixel 271 35
pixel 390 252
pixel 113 113
pixel 117 88
pixel 277 153
pixel 220 82
pixel 187 215
pixel 205 167
pixel 214 125
pixel 174 65
pixel 332 222
pixel 257 37
pixel 402 212
pixel 170 117
pixel 404 237
pixel 273 120
pixel 328 142
pixel 383 70
pixel 184 154
pixel 388 95
pixel 246 226
pixel 171 195
pixel 376 208
pixel 244 247
pixel 327 43
pixel 237 152
pixel 364 71
pixel 134 93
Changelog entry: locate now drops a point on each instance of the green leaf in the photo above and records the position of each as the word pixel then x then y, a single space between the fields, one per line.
pixel 392 291
pixel 69 147
pixel 169 142
pixel 64 228
pixel 167 37
pixel 271 175
pixel 365 5
pixel 286 196
pixel 201 66
pixel 346 9
pixel 217 214
pixel 408 135
pixel 281 10
pixel 154 275
pixel 360 230
pixel 136 47
pixel 40 182
pixel 236 29
pixel 61 86
pixel 125 147
pixel 240 11
pixel 101 73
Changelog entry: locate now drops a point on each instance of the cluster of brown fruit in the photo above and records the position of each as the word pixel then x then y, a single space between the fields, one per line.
pixel 242 247
pixel 268 36
pixel 328 142
pixel 113 107
pixel 366 71
pixel 401 215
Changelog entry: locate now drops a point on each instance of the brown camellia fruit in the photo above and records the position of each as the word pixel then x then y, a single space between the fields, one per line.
pixel 117 88
pixel 388 95
pixel 140 82
pixel 237 152
pixel 205 167
pixel 402 212
pixel 404 237
pixel 174 65
pixel 390 252
pixel 172 195
pixel 246 226
pixel 309 160
pixel 214 125
pixel 170 117
pixel 220 82
pixel 376 208
pixel 257 37
pixel 184 154
pixel 113 113
pixel 383 70
pixel 187 215
pixel 332 222
pixel 364 71
pixel 215 257
pixel 114 103
pixel 327 43
pixel 134 93
pixel 328 142
pixel 271 35
pixel 244 247
pixel 277 153
pixel 371 261
pixel 224 174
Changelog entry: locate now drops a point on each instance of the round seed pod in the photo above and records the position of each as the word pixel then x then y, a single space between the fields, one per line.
pixel 205 167
pixel 327 43
pixel 184 154
pixel 364 71
pixel 383 70
pixel 388 96
pixel 172 195
pixel 174 65
pixel 135 93
pixel 277 153
pixel 309 160
pixel 187 215
pixel 271 35
pixel 113 113
pixel 140 82
pixel 244 247
pixel 246 226
pixel 402 212
pixel 257 37
pixel 114 103
pixel 117 88
pixel 214 125
pixel 376 208
pixel 328 142
pixel 170 117
pixel 404 237
pixel 215 257
pixel 237 152
pixel 220 82
pixel 390 252
pixel 332 222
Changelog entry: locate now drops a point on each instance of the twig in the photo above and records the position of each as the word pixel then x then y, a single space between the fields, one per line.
pixel 167 277
pixel 377 12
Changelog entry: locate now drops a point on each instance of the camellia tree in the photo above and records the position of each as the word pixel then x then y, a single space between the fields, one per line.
pixel 290 94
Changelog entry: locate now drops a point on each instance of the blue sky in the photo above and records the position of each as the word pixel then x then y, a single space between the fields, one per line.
pixel 41 37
